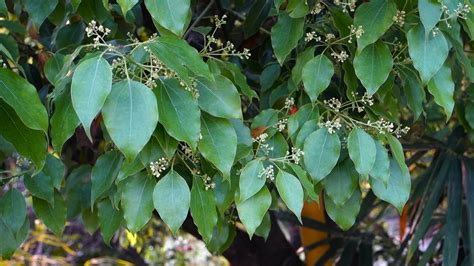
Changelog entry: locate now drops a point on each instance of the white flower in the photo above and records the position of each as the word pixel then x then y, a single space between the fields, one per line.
pixel 158 167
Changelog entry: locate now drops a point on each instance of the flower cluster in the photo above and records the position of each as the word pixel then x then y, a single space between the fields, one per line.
pixel 268 173
pixel 355 31
pixel 347 5
pixel 98 32
pixel 399 18
pixel 366 100
pixel 188 154
pixel 208 184
pixel 262 144
pixel 340 57
pixel 295 155
pixel 281 125
pixel 312 36
pixel 158 167
pixel 329 37
pixel 317 8
pixel 332 125
pixel 461 12
pixel 334 104
pixel 289 102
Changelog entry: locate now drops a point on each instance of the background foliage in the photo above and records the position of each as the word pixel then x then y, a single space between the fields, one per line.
pixel 227 116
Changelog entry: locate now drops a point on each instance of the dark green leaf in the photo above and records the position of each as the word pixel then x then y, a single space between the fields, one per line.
pixel 13 210
pixel 341 183
pixel 441 86
pixel 291 192
pixel 285 35
pixel 317 74
pixel 171 14
pixel 64 120
pixel 252 211
pixel 126 5
pixel 346 214
pixel 110 219
pixel 219 98
pixel 104 173
pixel 251 179
pixel 452 227
pixel 53 216
pixel 203 209
pixel 301 60
pixel 321 153
pixel 257 15
pixel 40 186
pixel 362 150
pixel 39 10
pixel 381 168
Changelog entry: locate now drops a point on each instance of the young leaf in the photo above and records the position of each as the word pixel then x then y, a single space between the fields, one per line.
pixel 397 190
pixel 219 98
pixel 64 120
pixel 104 173
pixel 317 74
pixel 362 150
pixel 203 209
pixel 421 47
pixel 441 86
pixel 171 199
pixel 180 114
pixel 291 192
pixel 321 153
pixel 218 143
pixel 252 211
pixel 20 95
pixel 381 168
pixel 137 201
pixel 373 65
pixel 53 216
pixel 110 219
pixel 171 14
pixel 130 116
pixel 430 13
pixel 285 35
pixel 251 180
pixel 375 17
pixel 341 183
pixel 346 214
pixel 91 84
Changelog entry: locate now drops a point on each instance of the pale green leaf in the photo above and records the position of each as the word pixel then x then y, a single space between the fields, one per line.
pixel 126 5
pixel 397 150
pixel 373 65
pixel 219 98
pixel 317 74
pixel 130 116
pixel 291 192
pixel 430 13
pixel 171 199
pixel 91 84
pixel 441 86
pixel 301 60
pixel 171 14
pixel 251 179
pixel 321 153
pixel 381 168
pixel 362 150
pixel 252 211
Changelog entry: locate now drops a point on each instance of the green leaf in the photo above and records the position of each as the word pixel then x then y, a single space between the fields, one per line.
pixel 126 5
pixel 297 120
pixel 23 98
pixel 28 142
pixel 182 58
pixel 469 114
pixel 346 214
pixel 233 72
pixel 3 10
pixel 441 86
pixel 167 144
pixel 397 150
pixel 171 199
pixel 397 190
pixel 218 143
pixel 244 139
pixel 224 191
pixel 171 14
pixel 64 120
pixel 421 47
pixel 301 60
pixel 130 116
pixel 252 211
pixel 317 74
pixel 258 13
pixel 137 201
pixel 306 130
pixel 375 17
pixel 414 92
pixel 321 153
pixel 291 192
pixel 151 152
pixel 13 210
pixel 362 150
pixel 91 84
pixel 285 35
pixel 12 240
pixel 373 65
pixel 40 186
pixel 104 173
pixel 53 216
pixel 263 230
pixel 110 219
pixel 203 209
pixel 180 114
pixel 251 180
pixel 39 10
pixel 297 8
pixel 219 98
pixel 305 182
pixel 341 183
pixel 430 13
pixel 55 169
pixel 452 226
pixel 381 168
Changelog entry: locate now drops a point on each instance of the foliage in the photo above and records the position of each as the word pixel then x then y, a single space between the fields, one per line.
pixel 116 109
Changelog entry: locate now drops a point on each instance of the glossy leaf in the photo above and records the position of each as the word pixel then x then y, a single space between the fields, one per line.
pixel 104 173
pixel 251 180
pixel 171 14
pixel 321 153
pixel 421 47
pixel 317 74
pixel 203 209
pixel 362 150
pixel 285 35
pixel 180 114
pixel 375 17
pixel 441 86
pixel 130 116
pixel 219 98
pixel 291 192
pixel 171 199
pixel 91 84
pixel 252 211
pixel 373 65
pixel 137 201
pixel 218 143
pixel 346 214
